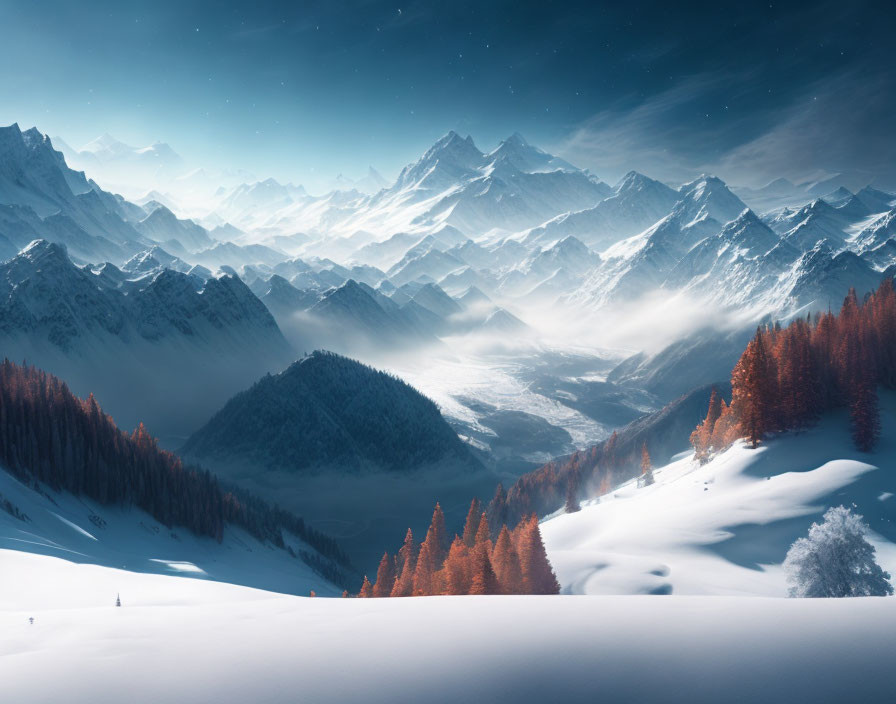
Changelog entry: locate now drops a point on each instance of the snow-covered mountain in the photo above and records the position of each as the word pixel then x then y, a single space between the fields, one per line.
pixel 166 350
pixel 514 186
pixel 122 166
pixel 818 221
pixel 250 201
pixel 371 182
pixel 41 196
pixel 878 232
pixel 779 192
pixel 641 263
pixel 741 262
pixel 637 203
pixel 164 227
pixel 708 196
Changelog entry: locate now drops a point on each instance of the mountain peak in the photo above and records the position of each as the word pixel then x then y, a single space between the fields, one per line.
pixel 41 250
pixel 452 140
pixel 634 180
pixel 104 142
pixel 747 217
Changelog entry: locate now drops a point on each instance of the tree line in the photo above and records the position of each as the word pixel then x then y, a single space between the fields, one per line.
pixel 566 481
pixel 478 562
pixel 49 435
pixel 787 377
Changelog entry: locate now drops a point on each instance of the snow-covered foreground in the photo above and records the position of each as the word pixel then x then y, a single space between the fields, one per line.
pixel 725 527
pixel 181 640
pixel 86 534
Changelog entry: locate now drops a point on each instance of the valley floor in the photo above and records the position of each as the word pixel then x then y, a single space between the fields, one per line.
pixel 181 640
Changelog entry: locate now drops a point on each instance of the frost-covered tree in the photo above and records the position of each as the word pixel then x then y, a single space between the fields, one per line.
pixel 835 560
pixel 646 478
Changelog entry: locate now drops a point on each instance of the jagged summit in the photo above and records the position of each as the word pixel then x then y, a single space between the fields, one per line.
pixel 709 196
pixel 41 250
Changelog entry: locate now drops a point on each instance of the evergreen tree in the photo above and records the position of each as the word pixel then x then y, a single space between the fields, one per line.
pixel 701 438
pixel 483 536
pixel 366 589
pixel 506 563
pixel 497 510
pixel 423 574
pixel 538 576
pixel 437 538
pixel 385 577
pixel 484 580
pixel 836 560
pixel 572 491
pixel 646 467
pixel 865 416
pixel 407 553
pixel 457 569
pixel 404 585
pixel 471 525
pixel 753 392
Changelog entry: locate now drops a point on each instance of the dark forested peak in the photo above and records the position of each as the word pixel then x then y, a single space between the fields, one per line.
pixel 326 411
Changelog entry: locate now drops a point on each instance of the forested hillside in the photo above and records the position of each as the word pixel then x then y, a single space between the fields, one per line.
pixel 787 377
pixel 591 472
pixel 49 436
pixel 326 411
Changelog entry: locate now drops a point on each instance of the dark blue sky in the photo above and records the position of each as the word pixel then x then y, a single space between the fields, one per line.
pixel 303 90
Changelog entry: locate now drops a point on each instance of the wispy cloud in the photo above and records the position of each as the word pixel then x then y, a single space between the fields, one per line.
pixel 646 134
pixel 835 124
pixel 839 124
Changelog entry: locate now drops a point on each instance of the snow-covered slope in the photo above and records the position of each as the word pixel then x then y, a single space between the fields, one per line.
pixel 198 642
pixel 637 203
pixel 42 522
pixel 725 527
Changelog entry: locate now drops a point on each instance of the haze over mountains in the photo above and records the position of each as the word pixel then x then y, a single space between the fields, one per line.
pixel 465 244
pixel 539 306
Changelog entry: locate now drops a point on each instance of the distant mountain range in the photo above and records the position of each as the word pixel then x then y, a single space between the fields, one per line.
pixel 165 347
pixel 464 243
